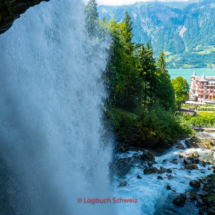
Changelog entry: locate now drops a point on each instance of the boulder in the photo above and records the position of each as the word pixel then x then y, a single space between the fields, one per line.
pixel 180 146
pixel 159 177
pixel 162 170
pixel 190 144
pixel 195 154
pixel 202 145
pixel 211 211
pixel 169 170
pixel 138 177
pixel 150 170
pixel 191 166
pixel 168 187
pixel 123 184
pixel 148 156
pixel 187 161
pixel 150 163
pixel 194 160
pixel 208 202
pixel 200 201
pixel 193 196
pixel 201 212
pixel 180 200
pixel 175 161
pixel 195 183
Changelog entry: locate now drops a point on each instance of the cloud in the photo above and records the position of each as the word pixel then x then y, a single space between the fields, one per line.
pixel 123 2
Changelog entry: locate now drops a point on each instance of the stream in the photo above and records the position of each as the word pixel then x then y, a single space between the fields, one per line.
pixel 151 193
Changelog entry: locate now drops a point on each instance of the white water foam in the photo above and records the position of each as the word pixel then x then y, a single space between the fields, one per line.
pixel 149 190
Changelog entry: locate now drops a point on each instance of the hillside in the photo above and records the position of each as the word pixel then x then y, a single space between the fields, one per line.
pixel 186 31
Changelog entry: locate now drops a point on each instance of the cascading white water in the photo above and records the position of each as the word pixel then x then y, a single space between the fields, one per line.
pixel 50 112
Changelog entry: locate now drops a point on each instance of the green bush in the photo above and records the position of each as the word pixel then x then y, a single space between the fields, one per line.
pixel 156 125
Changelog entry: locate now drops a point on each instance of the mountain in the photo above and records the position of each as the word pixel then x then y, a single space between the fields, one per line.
pixel 184 30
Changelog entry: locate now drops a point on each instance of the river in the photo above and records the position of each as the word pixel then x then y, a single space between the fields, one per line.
pixel 151 193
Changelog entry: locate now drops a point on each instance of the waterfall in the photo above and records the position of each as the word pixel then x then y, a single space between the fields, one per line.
pixel 50 112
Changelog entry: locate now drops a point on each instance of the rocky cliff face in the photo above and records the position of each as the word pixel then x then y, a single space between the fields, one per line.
pixel 10 10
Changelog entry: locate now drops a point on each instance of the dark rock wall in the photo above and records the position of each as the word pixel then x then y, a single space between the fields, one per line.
pixel 17 8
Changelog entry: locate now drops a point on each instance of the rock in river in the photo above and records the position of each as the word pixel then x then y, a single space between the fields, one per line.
pixel 180 200
pixel 148 156
pixel 150 170
pixel 195 183
pixel 191 166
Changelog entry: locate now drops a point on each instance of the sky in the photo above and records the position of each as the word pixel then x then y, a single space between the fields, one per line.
pixel 123 2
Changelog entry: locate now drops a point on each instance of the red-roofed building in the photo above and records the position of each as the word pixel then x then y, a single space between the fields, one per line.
pixel 202 88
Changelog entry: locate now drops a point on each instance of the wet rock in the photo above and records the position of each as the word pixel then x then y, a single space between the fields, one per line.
pixel 123 184
pixel 168 187
pixel 191 166
pixel 136 155
pixel 150 163
pixel 195 160
pixel 148 156
pixel 195 154
pixel 159 177
pixel 193 196
pixel 195 183
pixel 209 168
pixel 183 155
pixel 205 143
pixel 201 212
pixel 138 177
pixel 175 161
pixel 187 161
pixel 162 170
pixel 150 170
pixel 180 146
pixel 17 7
pixel 208 202
pixel 190 144
pixel 211 211
pixel 200 201
pixel 169 177
pixel 180 200
pixel 169 170
pixel 204 194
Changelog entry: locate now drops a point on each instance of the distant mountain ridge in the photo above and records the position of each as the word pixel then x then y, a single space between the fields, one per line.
pixel 185 30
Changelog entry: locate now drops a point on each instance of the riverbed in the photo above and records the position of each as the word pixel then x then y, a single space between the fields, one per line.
pixel 151 193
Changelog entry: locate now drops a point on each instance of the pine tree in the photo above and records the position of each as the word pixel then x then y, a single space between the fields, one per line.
pixel 147 72
pixel 166 94
pixel 161 61
pixel 92 17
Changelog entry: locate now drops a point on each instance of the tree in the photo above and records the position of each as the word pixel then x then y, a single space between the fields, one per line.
pixel 92 17
pixel 166 94
pixel 181 88
pixel 147 72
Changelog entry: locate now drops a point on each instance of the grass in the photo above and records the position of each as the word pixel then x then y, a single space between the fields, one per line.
pixel 170 58
pixel 203 118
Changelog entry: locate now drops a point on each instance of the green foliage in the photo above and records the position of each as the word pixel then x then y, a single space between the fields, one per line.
pixel 205 119
pixel 91 18
pixel 8 7
pixel 165 86
pixel 155 125
pixel 134 79
pixel 181 88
